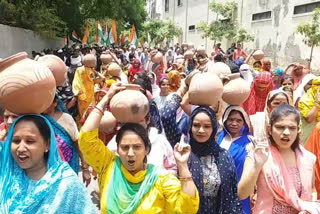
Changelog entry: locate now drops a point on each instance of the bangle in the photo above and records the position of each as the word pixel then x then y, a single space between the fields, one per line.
pixel 185 178
pixel 95 107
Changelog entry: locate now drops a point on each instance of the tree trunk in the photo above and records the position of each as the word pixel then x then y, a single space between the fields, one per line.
pixel 311 56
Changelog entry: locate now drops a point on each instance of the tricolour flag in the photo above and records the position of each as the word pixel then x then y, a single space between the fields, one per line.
pixel 75 36
pixel 86 36
pixel 122 40
pixel 164 42
pixel 99 34
pixel 126 40
pixel 113 32
pixel 133 39
pixel 106 35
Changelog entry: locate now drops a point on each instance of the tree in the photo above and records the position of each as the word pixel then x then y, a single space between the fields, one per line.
pixel 158 28
pixel 226 24
pixel 311 31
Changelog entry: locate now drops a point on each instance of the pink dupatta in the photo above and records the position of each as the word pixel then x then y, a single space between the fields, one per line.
pixel 279 182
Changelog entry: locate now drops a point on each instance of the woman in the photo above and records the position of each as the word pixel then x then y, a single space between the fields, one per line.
pixel 235 138
pixel 260 88
pixel 287 81
pixel 297 73
pixel 276 77
pixel 266 65
pixel 127 184
pixel 164 92
pixel 212 167
pixel 135 68
pixel 246 73
pixel 155 88
pixel 257 66
pixel 306 83
pixel 191 65
pixel 309 108
pixel 281 168
pixel 33 178
pixel 260 120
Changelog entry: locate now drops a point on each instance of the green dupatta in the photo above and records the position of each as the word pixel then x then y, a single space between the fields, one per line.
pixel 124 197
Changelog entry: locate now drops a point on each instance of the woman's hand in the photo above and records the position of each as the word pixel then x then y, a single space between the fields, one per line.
pixel 261 152
pixel 317 98
pixel 182 152
pixel 86 177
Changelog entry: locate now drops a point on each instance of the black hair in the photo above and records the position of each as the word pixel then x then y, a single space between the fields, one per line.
pixel 162 79
pixel 218 58
pixel 287 78
pixel 136 128
pixel 258 62
pixel 42 126
pixel 275 95
pixel 282 111
pixel 146 79
pixel 246 130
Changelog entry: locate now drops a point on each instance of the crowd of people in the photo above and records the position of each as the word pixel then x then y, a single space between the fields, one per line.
pixel 257 157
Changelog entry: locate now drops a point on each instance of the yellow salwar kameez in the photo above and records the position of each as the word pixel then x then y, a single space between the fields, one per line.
pixel 165 196
pixel 83 87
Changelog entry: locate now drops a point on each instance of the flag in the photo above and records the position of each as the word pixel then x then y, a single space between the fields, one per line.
pixel 149 40
pixel 99 34
pixel 133 39
pixel 122 40
pixel 64 42
pixel 114 31
pixel 106 35
pixel 86 36
pixel 126 40
pixel 75 36
pixel 165 42
pixel 111 38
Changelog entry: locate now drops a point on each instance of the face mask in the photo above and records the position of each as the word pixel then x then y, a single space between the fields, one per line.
pixel 257 69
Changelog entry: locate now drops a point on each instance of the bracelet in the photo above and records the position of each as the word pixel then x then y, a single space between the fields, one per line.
pixel 185 178
pixel 95 107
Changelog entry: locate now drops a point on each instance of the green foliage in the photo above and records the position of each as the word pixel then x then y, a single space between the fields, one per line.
pixel 158 28
pixel 311 31
pixel 226 25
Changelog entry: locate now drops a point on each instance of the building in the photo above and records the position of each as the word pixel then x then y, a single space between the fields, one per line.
pixel 272 22
pixel 154 9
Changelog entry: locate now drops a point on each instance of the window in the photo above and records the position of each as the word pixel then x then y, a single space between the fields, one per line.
pixel 180 3
pixel 306 8
pixel 261 16
pixel 166 5
pixel 192 28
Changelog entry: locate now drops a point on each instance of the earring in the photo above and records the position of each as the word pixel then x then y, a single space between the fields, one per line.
pixel 46 151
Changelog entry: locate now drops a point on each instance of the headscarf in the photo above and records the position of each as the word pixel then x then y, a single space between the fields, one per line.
pixel 246 73
pixel 238 62
pixel 307 101
pixel 58 191
pixel 299 92
pixel 133 70
pixel 227 200
pixel 257 99
pixel 189 69
pixel 256 68
pixel 264 65
pixel 297 80
pixel 174 80
pixel 155 87
pixel 279 73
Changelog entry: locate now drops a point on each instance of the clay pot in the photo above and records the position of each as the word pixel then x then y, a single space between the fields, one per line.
pixel 205 89
pixel 106 58
pixel 184 45
pixel 89 60
pixel 201 51
pixel 258 55
pixel 219 68
pixel 157 58
pixel 190 76
pixel 56 66
pixel 188 54
pixel 114 69
pixel 129 106
pixel 26 86
pixel 108 123
pixel 236 91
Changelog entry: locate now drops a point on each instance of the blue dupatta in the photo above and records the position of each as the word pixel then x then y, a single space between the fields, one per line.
pixel 58 191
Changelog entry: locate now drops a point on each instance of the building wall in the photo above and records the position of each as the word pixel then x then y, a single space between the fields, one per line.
pixel 275 36
pixel 14 40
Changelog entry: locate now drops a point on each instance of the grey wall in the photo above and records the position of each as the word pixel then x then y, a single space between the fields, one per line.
pixel 14 40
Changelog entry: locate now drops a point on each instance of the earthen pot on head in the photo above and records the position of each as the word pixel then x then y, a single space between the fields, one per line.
pixel 157 58
pixel 236 91
pixel 130 105
pixel 89 60
pixel 114 69
pixel 106 58
pixel 258 55
pixel 26 86
pixel 188 54
pixel 219 68
pixel 57 67
pixel 205 89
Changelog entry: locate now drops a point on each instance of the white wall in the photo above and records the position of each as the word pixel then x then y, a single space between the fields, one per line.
pixel 14 40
